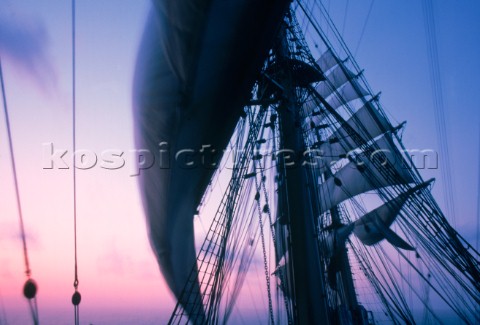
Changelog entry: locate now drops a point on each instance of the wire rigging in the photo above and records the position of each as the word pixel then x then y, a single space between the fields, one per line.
pixel 76 297
pixel 364 27
pixel 14 170
pixel 30 287
pixel 345 17
pixel 438 104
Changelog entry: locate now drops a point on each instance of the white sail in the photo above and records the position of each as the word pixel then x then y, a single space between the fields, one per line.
pixel 327 60
pixel 341 88
pixel 367 123
pixel 334 80
pixel 386 213
pixel 374 226
pixel 352 90
pixel 351 180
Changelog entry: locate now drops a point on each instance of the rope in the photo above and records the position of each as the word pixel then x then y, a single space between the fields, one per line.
pixel 76 314
pixel 30 287
pixel 364 27
pixel 76 298
pixel 34 310
pixel 345 17
pixel 438 104
pixel 265 258
pixel 74 144
pixel 14 169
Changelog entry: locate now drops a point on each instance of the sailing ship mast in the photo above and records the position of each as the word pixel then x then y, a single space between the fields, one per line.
pixel 309 288
pixel 299 70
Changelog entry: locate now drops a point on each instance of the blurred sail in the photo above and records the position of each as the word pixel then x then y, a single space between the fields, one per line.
pixel 195 69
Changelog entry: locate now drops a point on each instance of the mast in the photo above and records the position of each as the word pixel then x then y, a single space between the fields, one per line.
pixel 309 287
pixel 310 303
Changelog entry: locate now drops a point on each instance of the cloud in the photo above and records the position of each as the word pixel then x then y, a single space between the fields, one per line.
pixel 121 264
pixel 10 235
pixel 113 263
pixel 24 40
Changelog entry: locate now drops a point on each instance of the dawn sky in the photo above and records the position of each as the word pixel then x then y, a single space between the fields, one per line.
pixel 116 267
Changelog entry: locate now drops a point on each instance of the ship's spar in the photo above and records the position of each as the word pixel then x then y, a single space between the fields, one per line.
pixel 328 142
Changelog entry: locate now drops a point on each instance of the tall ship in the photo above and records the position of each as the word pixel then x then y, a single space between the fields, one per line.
pixel 322 194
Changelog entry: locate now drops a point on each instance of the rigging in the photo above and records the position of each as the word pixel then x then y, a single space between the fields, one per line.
pixel 438 105
pixel 30 287
pixel 364 27
pixel 76 297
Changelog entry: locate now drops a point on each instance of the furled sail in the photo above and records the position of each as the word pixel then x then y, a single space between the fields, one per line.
pixel 352 180
pixel 195 68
